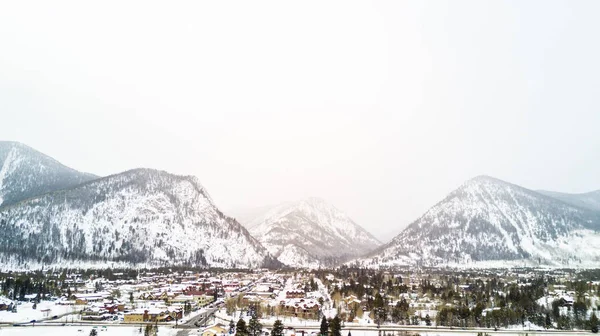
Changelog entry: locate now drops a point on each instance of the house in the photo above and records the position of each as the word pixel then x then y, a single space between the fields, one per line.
pixel 215 330
pixel 301 308
pixel 152 315
pixel 294 294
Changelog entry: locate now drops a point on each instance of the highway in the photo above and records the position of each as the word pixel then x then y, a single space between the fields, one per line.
pixel 200 320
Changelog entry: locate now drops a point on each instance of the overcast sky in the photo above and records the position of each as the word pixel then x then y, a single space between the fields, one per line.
pixel 381 108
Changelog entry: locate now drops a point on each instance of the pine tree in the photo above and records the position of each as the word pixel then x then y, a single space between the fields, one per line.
pixel 336 326
pixel 593 322
pixel 277 328
pixel 254 326
pixel 324 327
pixel 548 321
pixel 240 328
pixel 150 330
pixel 93 332
pixel 427 320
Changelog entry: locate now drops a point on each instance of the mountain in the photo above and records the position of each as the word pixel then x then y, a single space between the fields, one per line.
pixel 310 233
pixel 25 173
pixel 590 200
pixel 139 217
pixel 248 216
pixel 487 220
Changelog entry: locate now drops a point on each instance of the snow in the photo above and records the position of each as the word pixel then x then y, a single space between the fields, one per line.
pixel 490 223
pixel 144 208
pixel 302 233
pixel 9 165
pixel 81 331
pixel 26 313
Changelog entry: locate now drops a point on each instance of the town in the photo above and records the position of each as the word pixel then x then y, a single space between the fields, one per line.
pixel 302 302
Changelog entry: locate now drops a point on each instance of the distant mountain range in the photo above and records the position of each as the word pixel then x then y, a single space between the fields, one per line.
pixel 590 200
pixel 487 221
pixel 139 217
pixel 52 215
pixel 308 233
pixel 25 173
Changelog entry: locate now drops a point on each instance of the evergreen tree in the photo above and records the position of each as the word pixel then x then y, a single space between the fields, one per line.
pixel 324 327
pixel 131 297
pixel 277 328
pixel 150 330
pixel 548 321
pixel 427 320
pixel 593 322
pixel 254 326
pixel 93 332
pixel 336 326
pixel 240 328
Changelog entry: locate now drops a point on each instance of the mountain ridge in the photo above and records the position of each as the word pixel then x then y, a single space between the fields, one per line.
pixel 26 173
pixel 488 219
pixel 310 233
pixel 589 200
pixel 141 216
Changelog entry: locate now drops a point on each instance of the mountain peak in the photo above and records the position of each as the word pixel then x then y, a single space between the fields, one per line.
pixel 487 219
pixel 25 173
pixel 310 232
pixel 486 179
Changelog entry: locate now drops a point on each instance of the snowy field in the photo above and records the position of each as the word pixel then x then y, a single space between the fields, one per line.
pixel 80 331
pixel 44 310
pixel 167 331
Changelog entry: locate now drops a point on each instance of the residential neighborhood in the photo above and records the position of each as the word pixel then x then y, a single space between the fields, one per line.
pixel 212 302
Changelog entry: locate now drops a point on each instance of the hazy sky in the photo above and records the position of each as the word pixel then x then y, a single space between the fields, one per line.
pixel 381 108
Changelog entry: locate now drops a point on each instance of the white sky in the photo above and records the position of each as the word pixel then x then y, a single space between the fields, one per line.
pixel 381 108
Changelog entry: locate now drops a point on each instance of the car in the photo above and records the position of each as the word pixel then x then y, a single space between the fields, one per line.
pixel 54 317
pixel 32 321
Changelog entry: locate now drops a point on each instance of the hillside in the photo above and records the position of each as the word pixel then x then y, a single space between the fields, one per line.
pixel 140 217
pixel 489 220
pixel 590 200
pixel 25 173
pixel 310 233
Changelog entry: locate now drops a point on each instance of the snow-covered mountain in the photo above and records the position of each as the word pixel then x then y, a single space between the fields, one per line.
pixel 25 173
pixel 590 200
pixel 310 233
pixel 141 216
pixel 488 220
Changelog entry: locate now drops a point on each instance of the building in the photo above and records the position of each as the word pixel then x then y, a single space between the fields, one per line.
pixel 215 330
pixel 301 308
pixel 295 294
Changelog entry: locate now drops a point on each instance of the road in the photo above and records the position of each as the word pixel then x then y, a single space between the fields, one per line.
pixel 199 320
pixel 373 330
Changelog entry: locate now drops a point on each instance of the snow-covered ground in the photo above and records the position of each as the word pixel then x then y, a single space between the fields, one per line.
pixel 167 331
pixel 81 331
pixel 44 310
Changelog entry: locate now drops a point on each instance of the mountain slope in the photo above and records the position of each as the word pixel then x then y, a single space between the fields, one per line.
pixel 590 200
pixel 142 217
pixel 490 220
pixel 25 173
pixel 310 233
